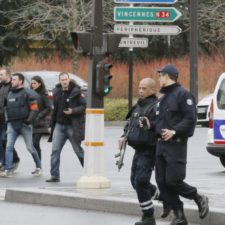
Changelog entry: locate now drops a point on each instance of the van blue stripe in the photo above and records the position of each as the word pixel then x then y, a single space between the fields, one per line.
pixel 217 134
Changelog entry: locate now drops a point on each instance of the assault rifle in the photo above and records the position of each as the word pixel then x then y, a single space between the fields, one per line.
pixel 121 154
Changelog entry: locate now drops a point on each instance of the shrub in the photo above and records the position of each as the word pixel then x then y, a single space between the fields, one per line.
pixel 115 109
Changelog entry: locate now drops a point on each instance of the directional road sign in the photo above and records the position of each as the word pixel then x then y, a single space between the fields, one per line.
pixel 149 14
pixel 127 42
pixel 147 1
pixel 146 29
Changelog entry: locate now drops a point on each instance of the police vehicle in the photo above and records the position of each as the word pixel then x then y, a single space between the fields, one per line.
pixel 216 132
pixel 203 107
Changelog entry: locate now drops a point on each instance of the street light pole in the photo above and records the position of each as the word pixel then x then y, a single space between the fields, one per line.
pixel 194 48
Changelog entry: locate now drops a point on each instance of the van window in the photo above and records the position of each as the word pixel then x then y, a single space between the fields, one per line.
pixel 221 96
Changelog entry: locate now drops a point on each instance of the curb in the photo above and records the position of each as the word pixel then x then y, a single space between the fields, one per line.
pixel 102 203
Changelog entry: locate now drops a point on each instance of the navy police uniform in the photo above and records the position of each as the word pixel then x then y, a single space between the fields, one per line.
pixel 175 111
pixel 143 141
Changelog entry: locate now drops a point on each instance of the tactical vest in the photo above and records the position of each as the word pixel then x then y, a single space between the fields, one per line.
pixel 139 137
pixel 17 107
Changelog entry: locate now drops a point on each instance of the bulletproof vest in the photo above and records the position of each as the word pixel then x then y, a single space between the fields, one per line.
pixel 141 137
pixel 17 105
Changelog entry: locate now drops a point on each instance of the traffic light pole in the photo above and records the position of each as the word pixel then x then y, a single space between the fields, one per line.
pixel 94 125
pixel 94 100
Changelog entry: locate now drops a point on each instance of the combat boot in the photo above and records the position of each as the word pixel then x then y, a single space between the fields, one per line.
pixel 203 205
pixel 180 218
pixel 146 220
pixel 166 210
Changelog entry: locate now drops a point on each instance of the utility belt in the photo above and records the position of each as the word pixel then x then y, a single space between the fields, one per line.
pixel 175 139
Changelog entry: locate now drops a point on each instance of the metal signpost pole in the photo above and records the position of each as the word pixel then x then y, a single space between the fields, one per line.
pixel 194 48
pixel 130 89
pixel 130 59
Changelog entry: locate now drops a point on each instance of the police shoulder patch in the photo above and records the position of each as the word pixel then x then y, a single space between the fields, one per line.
pixel 189 101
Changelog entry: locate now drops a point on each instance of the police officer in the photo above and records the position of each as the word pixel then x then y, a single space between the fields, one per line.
pixel 174 124
pixel 143 141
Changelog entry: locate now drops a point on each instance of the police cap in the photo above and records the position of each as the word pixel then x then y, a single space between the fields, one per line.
pixel 170 69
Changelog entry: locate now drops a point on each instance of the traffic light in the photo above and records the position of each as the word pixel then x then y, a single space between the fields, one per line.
pixel 103 78
pixel 82 42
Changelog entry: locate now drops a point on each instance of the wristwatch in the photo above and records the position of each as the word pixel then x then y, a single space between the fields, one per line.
pixel 173 132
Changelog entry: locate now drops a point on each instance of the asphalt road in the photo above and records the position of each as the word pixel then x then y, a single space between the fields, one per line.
pixel 200 168
pixel 203 170
pixel 20 214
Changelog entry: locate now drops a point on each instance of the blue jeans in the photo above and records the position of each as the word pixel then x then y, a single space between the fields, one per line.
pixel 12 134
pixel 3 141
pixel 60 135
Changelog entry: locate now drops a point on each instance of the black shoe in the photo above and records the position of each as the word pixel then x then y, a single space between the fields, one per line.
pixel 146 220
pixel 180 218
pixel 166 210
pixel 53 179
pixel 203 205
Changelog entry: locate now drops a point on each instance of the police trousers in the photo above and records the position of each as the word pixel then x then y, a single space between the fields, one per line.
pixel 142 166
pixel 171 157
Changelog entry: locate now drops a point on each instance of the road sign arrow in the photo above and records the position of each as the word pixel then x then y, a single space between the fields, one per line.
pixel 146 29
pixel 147 1
pixel 149 14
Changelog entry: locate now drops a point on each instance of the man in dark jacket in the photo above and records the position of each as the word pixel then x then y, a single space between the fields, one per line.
pixel 175 123
pixel 21 109
pixel 143 141
pixel 5 84
pixel 68 121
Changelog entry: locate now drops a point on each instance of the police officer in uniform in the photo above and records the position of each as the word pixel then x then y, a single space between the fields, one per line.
pixel 143 141
pixel 175 123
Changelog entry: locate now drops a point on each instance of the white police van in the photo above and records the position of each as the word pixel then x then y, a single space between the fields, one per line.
pixel 216 132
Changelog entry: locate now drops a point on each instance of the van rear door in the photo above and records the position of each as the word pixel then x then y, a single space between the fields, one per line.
pixel 219 111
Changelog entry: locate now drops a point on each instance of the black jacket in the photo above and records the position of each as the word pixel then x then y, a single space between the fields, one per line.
pixel 176 111
pixel 77 103
pixel 4 90
pixel 41 122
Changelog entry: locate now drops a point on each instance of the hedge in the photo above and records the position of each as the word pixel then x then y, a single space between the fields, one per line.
pixel 115 109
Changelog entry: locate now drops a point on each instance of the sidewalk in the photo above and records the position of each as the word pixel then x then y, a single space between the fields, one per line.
pixel 117 199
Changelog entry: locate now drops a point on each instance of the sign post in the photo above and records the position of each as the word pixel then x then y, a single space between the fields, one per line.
pixel 143 14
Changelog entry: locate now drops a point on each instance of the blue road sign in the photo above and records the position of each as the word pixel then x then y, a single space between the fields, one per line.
pixel 147 1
